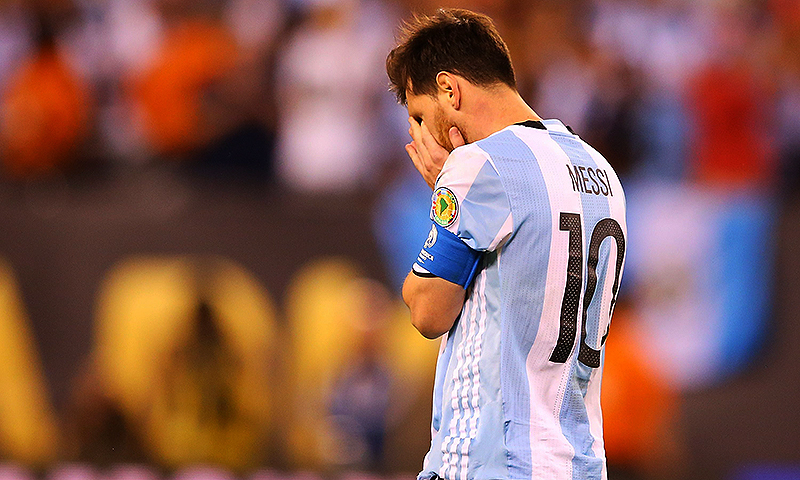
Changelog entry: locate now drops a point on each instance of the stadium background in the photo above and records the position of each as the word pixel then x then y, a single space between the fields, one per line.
pixel 207 212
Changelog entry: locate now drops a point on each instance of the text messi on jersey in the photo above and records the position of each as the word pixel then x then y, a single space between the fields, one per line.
pixel 589 180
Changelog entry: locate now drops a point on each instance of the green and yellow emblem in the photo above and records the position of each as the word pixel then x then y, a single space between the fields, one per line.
pixel 445 207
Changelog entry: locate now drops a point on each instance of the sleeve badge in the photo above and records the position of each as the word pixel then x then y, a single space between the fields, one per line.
pixel 444 210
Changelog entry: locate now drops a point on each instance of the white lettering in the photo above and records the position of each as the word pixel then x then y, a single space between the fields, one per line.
pixel 425 255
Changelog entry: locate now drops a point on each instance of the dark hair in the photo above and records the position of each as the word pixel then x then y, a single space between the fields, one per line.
pixel 453 40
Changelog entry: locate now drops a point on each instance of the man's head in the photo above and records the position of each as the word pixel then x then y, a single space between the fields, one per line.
pixel 440 58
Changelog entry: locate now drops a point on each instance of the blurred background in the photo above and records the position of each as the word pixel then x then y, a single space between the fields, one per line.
pixel 207 213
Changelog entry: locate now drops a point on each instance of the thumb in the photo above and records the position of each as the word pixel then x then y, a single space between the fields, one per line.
pixel 455 137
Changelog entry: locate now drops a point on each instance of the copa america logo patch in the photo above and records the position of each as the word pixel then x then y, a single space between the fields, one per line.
pixel 445 207
pixel 431 237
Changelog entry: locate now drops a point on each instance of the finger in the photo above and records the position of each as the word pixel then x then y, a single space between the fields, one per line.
pixel 455 137
pixel 414 126
pixel 420 145
pixel 414 130
pixel 411 150
pixel 427 138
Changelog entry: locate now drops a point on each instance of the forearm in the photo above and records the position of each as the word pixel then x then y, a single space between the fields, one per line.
pixel 434 303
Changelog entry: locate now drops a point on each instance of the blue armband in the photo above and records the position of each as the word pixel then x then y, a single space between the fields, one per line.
pixel 444 255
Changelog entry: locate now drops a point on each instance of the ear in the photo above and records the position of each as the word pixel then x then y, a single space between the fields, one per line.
pixel 449 86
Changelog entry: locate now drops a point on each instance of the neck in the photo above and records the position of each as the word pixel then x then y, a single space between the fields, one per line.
pixel 495 110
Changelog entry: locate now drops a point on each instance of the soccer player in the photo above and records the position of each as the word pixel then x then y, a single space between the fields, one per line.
pixel 522 265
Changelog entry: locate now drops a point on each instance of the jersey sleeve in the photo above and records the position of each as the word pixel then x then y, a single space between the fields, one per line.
pixel 470 201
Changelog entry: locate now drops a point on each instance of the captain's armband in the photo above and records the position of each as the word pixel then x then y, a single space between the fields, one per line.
pixel 444 255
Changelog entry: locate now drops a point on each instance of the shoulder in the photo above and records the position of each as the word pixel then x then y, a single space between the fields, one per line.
pixel 470 176
pixel 463 167
pixel 470 200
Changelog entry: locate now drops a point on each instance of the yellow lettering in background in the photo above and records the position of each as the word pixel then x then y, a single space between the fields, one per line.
pixel 184 347
pixel 339 320
pixel 27 423
pixel 188 350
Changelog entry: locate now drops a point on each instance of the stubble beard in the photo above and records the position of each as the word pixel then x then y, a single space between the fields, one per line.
pixel 441 128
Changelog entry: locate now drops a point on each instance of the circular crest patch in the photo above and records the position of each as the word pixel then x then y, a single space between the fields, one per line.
pixel 432 235
pixel 445 207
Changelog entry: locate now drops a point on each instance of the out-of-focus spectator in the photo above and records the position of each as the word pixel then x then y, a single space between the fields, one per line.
pixel 15 37
pixel 206 97
pixel 360 397
pixel 196 52
pixel 239 118
pixel 324 310
pixel 611 122
pixel 256 24
pixel 239 108
pixel 731 146
pixel 640 409
pixel 356 367
pixel 732 131
pixel 330 83
pixel 558 68
pixel 644 52
pixel 667 40
pixel 111 42
pixel 44 112
pixel 134 31
pixel 787 90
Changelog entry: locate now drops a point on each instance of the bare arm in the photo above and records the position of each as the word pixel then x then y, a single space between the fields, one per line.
pixel 435 304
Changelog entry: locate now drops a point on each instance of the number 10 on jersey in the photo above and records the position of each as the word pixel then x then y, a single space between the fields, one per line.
pixel 568 326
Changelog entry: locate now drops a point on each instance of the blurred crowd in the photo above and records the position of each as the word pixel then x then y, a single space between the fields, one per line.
pixel 295 90
pixel 696 103
pixel 223 87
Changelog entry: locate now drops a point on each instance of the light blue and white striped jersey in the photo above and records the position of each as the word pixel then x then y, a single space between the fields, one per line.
pixel 517 392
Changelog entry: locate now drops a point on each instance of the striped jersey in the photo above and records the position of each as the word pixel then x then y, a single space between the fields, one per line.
pixel 517 390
